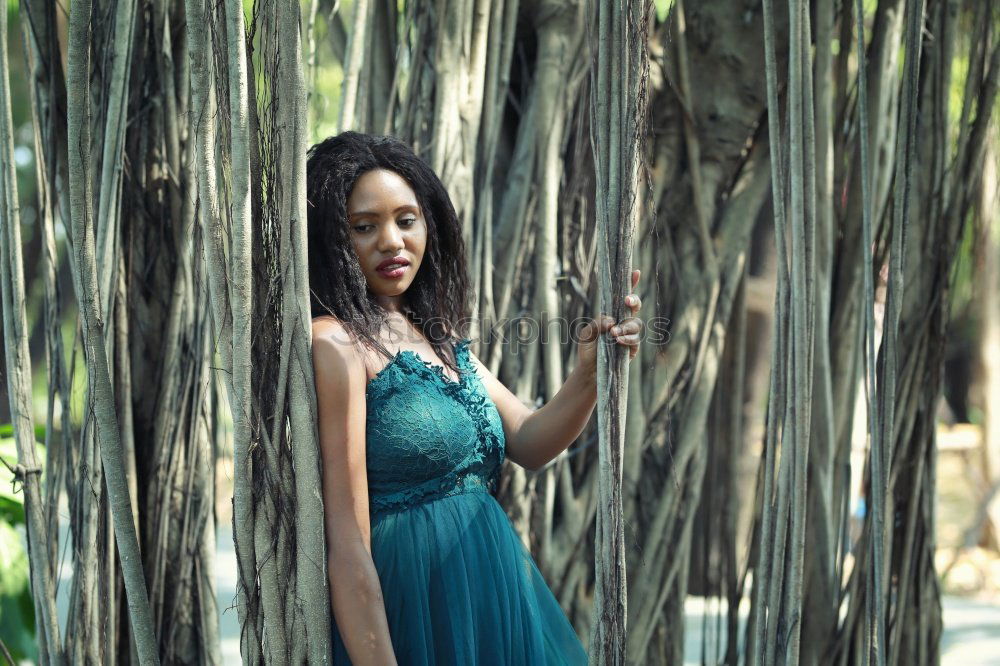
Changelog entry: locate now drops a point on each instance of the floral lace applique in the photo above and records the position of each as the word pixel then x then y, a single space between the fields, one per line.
pixel 430 436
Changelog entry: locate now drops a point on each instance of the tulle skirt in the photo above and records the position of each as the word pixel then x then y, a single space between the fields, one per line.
pixel 460 588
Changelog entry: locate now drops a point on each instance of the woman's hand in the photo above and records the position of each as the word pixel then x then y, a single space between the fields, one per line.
pixel 626 332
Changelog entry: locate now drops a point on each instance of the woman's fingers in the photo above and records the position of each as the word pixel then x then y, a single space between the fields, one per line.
pixel 632 300
pixel 629 334
pixel 628 339
pixel 626 332
pixel 630 326
pixel 596 326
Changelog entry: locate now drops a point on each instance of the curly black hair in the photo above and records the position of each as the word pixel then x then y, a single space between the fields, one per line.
pixel 437 302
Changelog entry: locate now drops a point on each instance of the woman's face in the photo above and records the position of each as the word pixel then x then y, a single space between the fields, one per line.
pixel 388 231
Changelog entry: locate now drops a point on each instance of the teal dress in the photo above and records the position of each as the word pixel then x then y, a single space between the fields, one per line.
pixel 459 586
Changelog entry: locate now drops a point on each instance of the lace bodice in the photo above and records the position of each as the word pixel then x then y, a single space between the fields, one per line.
pixel 429 436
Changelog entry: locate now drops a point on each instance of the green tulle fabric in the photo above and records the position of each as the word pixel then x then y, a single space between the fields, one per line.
pixel 458 585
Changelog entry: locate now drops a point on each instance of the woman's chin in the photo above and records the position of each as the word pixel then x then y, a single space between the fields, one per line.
pixel 389 288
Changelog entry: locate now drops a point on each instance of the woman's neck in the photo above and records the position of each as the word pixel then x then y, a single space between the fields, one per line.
pixel 391 304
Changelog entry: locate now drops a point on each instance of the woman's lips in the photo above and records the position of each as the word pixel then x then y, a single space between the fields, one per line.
pixel 394 271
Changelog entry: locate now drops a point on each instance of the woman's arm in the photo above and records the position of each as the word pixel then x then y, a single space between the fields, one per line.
pixel 536 436
pixel 355 592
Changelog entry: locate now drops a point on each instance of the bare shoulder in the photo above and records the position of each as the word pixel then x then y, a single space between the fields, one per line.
pixel 331 334
pixel 501 395
pixel 337 354
pixel 479 366
pixel 494 387
pixel 330 328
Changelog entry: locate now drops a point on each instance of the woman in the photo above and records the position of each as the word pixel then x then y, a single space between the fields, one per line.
pixel 424 565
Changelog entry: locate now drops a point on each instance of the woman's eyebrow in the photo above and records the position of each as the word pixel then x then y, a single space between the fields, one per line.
pixel 369 213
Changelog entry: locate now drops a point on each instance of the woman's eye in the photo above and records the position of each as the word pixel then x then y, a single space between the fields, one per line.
pixel 362 228
pixel 408 221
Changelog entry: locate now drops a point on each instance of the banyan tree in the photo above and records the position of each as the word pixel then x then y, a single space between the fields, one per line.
pixel 796 181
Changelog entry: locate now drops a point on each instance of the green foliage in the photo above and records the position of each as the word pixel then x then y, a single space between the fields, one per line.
pixel 963 277
pixel 324 83
pixel 78 388
pixel 325 104
pixel 11 503
pixel 663 8
pixel 17 612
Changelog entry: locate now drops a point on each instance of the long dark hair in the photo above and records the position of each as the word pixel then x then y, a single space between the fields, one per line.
pixel 437 302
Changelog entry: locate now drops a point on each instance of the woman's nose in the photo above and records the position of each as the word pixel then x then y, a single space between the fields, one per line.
pixel 390 238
